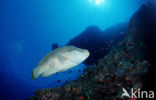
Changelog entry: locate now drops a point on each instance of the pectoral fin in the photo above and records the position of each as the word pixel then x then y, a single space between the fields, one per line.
pixel 61 58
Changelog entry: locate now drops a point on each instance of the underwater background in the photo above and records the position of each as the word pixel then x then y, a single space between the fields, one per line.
pixel 29 28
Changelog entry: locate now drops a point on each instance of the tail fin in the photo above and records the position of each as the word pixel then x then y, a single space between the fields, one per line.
pixel 35 73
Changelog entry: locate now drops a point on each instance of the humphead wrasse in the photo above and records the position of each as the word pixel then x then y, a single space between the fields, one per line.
pixel 60 59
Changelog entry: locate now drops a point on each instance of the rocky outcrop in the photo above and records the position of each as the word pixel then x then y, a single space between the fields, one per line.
pixel 125 65
pixel 143 28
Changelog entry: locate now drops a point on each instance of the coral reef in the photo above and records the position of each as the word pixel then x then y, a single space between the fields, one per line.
pixel 123 67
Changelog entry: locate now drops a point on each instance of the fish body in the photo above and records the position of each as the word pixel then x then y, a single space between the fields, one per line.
pixel 60 59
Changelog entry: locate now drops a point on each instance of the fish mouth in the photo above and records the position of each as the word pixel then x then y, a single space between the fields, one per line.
pixel 86 52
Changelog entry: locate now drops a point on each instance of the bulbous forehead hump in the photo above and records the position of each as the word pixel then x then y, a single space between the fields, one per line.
pixel 73 48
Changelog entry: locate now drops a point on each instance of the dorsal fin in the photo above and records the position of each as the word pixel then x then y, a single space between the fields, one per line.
pixel 54 46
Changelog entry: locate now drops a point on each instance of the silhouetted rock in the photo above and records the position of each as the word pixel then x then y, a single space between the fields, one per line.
pixel 99 42
pixel 143 28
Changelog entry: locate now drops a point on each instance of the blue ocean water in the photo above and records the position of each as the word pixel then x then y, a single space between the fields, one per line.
pixel 28 28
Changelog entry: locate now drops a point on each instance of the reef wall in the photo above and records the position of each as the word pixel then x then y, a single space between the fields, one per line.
pixel 143 28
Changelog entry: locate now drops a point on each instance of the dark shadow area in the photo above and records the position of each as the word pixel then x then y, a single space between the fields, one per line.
pixel 147 20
